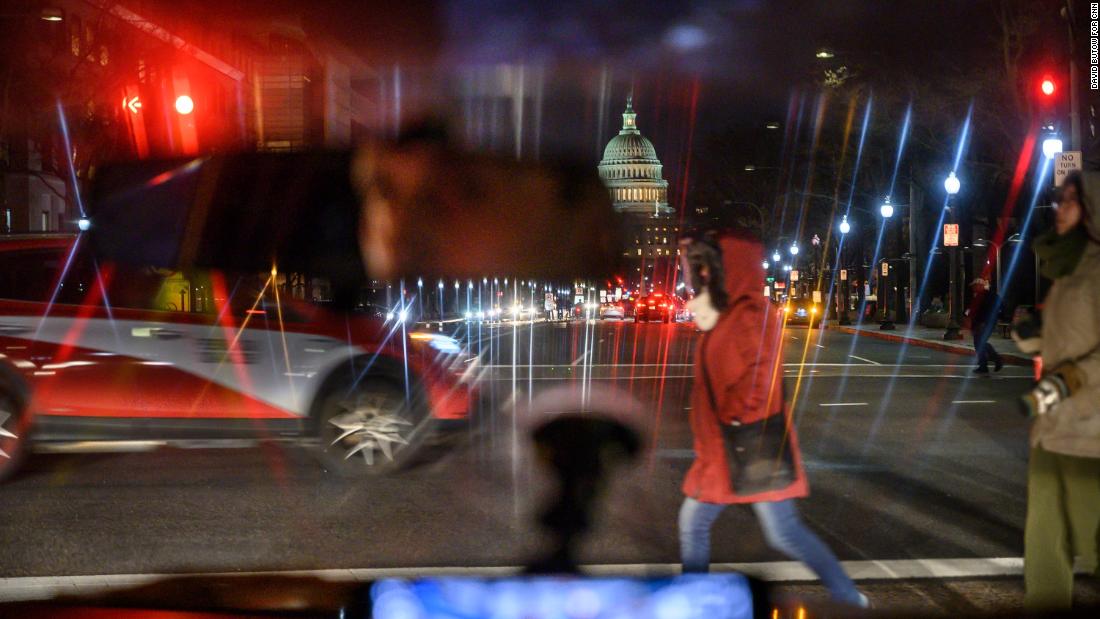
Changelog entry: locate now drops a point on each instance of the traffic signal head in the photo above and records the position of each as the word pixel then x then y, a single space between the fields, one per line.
pixel 1047 86
pixel 184 105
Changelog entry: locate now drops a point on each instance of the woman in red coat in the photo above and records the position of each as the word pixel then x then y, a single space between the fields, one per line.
pixel 746 450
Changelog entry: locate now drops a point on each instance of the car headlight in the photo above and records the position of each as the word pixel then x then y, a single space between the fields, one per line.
pixel 442 343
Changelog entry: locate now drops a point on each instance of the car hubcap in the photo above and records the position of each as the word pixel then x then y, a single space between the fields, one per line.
pixel 4 431
pixel 369 422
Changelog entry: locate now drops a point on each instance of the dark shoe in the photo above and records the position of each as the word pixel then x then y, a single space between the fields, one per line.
pixel 998 365
pixel 981 370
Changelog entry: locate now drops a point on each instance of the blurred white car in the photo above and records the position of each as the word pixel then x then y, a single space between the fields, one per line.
pixel 612 310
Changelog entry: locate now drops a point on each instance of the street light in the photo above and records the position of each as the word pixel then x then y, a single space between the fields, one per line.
pixel 750 168
pixel 887 209
pixel 765 264
pixel 50 14
pixel 772 125
pixel 845 227
pixel 786 267
pixel 776 256
pixel 952 184
pixel 84 224
pixel 824 53
pixel 794 248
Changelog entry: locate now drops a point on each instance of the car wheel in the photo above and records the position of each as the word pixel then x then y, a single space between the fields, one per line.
pixel 14 426
pixel 371 428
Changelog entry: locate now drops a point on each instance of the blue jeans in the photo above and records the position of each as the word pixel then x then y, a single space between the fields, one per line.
pixel 783 530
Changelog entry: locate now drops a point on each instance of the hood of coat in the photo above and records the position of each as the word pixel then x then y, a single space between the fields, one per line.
pixel 1090 182
pixel 744 273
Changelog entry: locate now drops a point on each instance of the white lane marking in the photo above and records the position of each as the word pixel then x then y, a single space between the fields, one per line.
pixel 843 404
pixel 973 401
pixel 865 359
pixel 46 587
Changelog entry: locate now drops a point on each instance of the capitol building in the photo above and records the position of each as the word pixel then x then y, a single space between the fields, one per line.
pixel 631 172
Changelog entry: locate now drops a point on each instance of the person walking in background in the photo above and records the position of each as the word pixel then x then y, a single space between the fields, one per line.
pixel 987 305
pixel 746 449
pixel 1063 480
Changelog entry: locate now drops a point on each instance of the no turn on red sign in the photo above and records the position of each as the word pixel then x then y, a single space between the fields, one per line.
pixel 1064 163
pixel 950 235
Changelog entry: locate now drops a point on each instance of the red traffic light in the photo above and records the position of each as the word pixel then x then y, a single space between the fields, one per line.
pixel 1047 86
pixel 184 105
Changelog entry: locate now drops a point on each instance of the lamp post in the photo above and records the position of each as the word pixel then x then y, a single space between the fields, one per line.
pixel 887 324
pixel 952 185
pixel 842 297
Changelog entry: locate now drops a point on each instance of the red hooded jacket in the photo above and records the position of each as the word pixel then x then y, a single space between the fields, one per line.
pixel 743 356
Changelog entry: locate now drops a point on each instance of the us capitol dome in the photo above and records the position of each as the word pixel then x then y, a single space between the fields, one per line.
pixel 631 171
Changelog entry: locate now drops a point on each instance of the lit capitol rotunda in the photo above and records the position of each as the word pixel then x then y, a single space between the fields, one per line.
pixel 631 172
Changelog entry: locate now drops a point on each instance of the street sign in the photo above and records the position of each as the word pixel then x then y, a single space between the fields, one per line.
pixel 950 235
pixel 817 296
pixel 844 275
pixel 794 276
pixel 885 269
pixel 1067 162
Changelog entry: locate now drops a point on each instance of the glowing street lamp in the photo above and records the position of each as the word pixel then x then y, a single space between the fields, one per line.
pixel 84 224
pixel 794 248
pixel 845 227
pixel 776 256
pixel 887 209
pixel 786 267
pixel 951 184
pixel 765 264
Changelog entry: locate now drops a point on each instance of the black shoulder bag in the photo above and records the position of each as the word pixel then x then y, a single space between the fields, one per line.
pixel 758 454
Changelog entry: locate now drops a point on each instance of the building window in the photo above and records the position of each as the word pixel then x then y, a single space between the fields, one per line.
pixel 7 220
pixel 639 251
pixel 45 221
pixel 664 239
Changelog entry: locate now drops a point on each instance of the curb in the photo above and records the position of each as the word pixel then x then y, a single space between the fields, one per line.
pixel 1008 358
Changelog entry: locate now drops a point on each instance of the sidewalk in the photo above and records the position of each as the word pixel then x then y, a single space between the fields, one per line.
pixel 932 337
